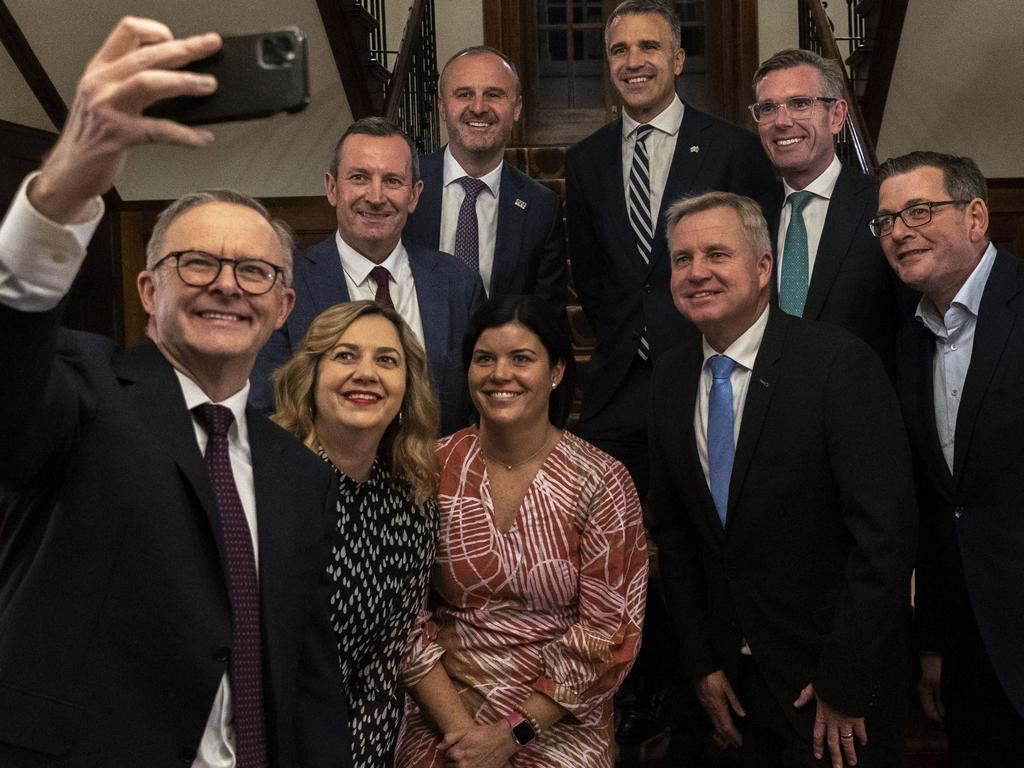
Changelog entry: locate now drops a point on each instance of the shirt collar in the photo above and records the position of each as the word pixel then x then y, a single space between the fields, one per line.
pixel 744 350
pixel 823 185
pixel 358 267
pixel 667 121
pixel 453 171
pixel 968 298
pixel 194 396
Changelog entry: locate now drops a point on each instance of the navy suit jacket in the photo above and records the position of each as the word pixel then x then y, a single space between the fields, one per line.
pixel 852 285
pixel 813 565
pixel 620 294
pixel 115 624
pixel 972 520
pixel 529 249
pixel 448 293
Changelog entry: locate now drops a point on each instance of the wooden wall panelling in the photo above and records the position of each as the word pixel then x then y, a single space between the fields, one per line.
pixel 1006 213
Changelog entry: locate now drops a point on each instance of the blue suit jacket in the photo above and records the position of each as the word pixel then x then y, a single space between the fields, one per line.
pixel 448 293
pixel 972 521
pixel 116 624
pixel 852 285
pixel 529 249
pixel 618 292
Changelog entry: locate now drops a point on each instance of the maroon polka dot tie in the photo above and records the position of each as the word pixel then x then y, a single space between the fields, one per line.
pixel 245 667
pixel 467 234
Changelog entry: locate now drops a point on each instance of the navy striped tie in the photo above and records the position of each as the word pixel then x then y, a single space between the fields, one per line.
pixel 638 208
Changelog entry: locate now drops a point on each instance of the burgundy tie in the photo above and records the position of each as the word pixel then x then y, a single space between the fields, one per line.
pixel 245 666
pixel 467 233
pixel 382 277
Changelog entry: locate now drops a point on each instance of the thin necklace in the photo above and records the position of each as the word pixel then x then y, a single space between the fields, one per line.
pixel 509 467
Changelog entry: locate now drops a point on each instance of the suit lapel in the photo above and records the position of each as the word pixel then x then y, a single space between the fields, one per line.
pixel 759 394
pixel 152 391
pixel 995 323
pixel 610 177
pixel 325 280
pixel 432 298
pixel 428 210
pixel 511 221
pixel 844 214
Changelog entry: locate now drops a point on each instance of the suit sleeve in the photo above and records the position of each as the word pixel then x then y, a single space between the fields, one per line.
pixel 274 354
pixel 870 461
pixel 586 251
pixel 678 558
pixel 550 284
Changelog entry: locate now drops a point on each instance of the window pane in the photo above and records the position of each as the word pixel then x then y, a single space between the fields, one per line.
pixel 693 42
pixel 690 10
pixel 551 11
pixel 586 10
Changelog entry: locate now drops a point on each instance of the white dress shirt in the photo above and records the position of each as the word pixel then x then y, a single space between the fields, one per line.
pixel 661 146
pixel 954 344
pixel 39 260
pixel 401 286
pixel 452 196
pixel 743 351
pixel 814 214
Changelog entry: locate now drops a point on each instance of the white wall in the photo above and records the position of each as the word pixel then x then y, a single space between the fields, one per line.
pixel 958 84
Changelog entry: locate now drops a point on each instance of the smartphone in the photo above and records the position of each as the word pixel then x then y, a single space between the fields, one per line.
pixel 257 76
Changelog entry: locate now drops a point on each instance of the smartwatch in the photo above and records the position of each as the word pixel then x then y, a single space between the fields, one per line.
pixel 522 729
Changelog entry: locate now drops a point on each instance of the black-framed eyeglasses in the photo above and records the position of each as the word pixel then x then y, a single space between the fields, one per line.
pixel 796 106
pixel 916 215
pixel 200 269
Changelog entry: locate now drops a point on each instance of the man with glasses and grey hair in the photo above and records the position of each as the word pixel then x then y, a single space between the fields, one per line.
pixel 162 547
pixel 828 267
pixel 961 379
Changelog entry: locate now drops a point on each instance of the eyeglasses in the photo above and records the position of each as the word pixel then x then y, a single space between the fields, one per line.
pixel 199 269
pixel 797 106
pixel 916 215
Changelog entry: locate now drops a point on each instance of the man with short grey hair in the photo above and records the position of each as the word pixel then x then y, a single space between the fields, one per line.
pixel 828 267
pixel 961 374
pixel 782 505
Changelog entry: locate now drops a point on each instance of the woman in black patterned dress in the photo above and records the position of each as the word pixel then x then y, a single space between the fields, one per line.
pixel 357 392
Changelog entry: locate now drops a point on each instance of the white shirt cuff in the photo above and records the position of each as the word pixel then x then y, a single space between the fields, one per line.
pixel 39 258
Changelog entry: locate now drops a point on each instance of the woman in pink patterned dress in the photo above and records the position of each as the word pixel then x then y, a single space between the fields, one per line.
pixel 538 589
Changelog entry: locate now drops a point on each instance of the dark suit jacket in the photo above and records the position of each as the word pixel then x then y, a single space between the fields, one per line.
pixel 852 285
pixel 618 292
pixel 529 250
pixel 114 613
pixel 448 293
pixel 813 565
pixel 972 521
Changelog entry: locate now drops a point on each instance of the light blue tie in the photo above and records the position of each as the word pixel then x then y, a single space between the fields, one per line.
pixel 721 448
pixel 795 259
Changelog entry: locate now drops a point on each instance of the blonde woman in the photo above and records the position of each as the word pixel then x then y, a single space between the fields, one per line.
pixel 357 392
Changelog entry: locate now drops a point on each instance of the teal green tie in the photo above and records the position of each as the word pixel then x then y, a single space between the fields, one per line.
pixel 795 271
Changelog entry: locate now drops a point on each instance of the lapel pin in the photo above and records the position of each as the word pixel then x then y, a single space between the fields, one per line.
pixel 764 384
pixel 695 149
pixel 520 203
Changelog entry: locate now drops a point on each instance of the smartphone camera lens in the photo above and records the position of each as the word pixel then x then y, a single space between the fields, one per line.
pixel 277 51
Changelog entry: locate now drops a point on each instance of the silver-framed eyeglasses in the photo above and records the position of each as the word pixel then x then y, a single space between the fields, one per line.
pixel 200 269
pixel 795 106
pixel 916 215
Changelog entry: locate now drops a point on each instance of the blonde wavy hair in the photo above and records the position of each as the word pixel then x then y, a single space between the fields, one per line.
pixel 408 444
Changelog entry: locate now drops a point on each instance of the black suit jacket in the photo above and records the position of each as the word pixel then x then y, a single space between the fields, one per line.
pixel 114 612
pixel 529 250
pixel 618 292
pixel 448 293
pixel 813 565
pixel 852 285
pixel 972 520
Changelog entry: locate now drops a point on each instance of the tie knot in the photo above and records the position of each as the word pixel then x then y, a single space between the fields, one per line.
pixel 472 186
pixel 798 200
pixel 380 275
pixel 642 132
pixel 721 366
pixel 216 419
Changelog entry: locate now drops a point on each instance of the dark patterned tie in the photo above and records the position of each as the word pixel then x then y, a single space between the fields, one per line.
pixel 467 233
pixel 245 667
pixel 638 208
pixel 382 278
